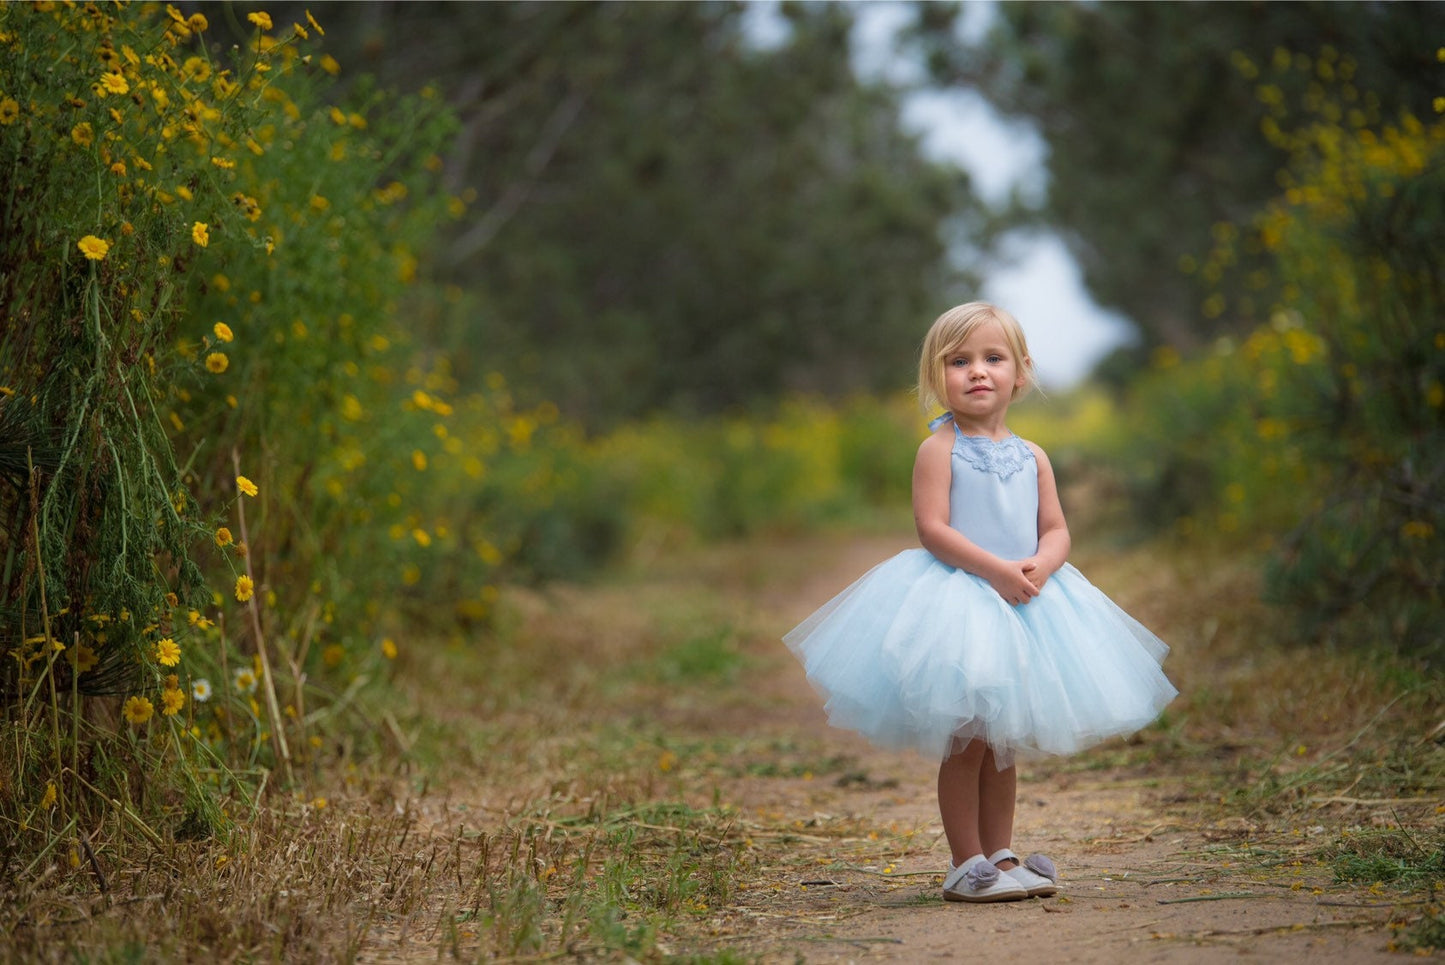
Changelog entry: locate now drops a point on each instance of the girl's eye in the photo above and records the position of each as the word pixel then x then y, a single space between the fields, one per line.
pixel 995 358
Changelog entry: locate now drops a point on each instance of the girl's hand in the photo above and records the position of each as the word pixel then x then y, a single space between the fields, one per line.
pixel 1037 575
pixel 1011 581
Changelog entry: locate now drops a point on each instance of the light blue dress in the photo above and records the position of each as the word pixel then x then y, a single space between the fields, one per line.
pixel 917 652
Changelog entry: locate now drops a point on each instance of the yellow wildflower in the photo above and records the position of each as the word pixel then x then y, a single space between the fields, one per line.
pixel 201 233
pixel 245 589
pixel 137 710
pixel 246 486
pixel 223 332
pixel 330 65
pixel 314 25
pixel 388 648
pixel 223 537
pixel 301 31
pixel 83 657
pixel 47 800
pixel 224 163
pixel 172 700
pixel 93 248
pixel 217 362
pixel 197 68
pixel 247 205
pixel 112 82
pixel 197 22
pixel 333 655
pixel 168 653
pixel 260 18
pixel 83 134
pixel 9 111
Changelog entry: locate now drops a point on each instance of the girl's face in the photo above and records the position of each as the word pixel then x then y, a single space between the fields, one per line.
pixel 981 374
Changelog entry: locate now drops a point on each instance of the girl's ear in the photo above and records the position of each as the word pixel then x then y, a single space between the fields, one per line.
pixel 1024 370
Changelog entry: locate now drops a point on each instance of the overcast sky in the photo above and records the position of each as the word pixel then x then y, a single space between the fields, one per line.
pixel 1042 286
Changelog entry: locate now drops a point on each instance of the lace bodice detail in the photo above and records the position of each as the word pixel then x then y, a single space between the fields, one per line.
pixel 1002 458
pixel 993 496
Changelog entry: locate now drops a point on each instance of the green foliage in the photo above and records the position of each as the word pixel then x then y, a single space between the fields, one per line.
pixel 727 477
pixel 1321 435
pixel 1152 115
pixel 207 272
pixel 666 218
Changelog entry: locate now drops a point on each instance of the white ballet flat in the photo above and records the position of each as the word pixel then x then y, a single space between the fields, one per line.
pixel 1035 874
pixel 978 879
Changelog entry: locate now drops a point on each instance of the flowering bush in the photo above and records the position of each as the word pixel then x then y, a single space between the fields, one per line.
pixel 212 426
pixel 1322 435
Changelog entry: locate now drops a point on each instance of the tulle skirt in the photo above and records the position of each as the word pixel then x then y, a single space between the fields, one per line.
pixel 917 653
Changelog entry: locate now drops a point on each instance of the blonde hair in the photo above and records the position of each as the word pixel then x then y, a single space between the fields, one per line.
pixel 949 331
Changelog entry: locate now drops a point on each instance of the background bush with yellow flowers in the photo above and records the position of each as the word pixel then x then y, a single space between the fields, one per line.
pixel 215 440
pixel 1320 437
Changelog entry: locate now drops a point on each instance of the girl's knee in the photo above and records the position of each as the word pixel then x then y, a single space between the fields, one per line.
pixel 972 751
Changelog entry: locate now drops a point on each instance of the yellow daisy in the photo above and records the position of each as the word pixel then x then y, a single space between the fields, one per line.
pixel 137 710
pixel 172 700
pixel 223 332
pixel 260 18
pixel 246 486
pixel 93 248
pixel 223 537
pixel 168 653
pixel 83 657
pixel 112 82
pixel 217 362
pixel 201 233
pixel 245 589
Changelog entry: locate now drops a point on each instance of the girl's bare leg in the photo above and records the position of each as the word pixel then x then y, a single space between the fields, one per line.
pixel 997 791
pixel 959 800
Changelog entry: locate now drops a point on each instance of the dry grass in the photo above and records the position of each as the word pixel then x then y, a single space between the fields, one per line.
pixel 610 775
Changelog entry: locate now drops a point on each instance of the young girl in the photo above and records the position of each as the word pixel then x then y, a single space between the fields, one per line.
pixel 985 644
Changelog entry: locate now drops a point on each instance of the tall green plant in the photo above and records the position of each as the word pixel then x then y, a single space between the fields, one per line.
pixel 202 267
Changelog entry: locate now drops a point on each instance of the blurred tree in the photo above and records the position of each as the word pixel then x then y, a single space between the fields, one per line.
pixel 1153 123
pixel 666 215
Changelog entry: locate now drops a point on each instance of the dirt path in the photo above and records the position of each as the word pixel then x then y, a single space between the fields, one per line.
pixel 1139 885
pixel 846 858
